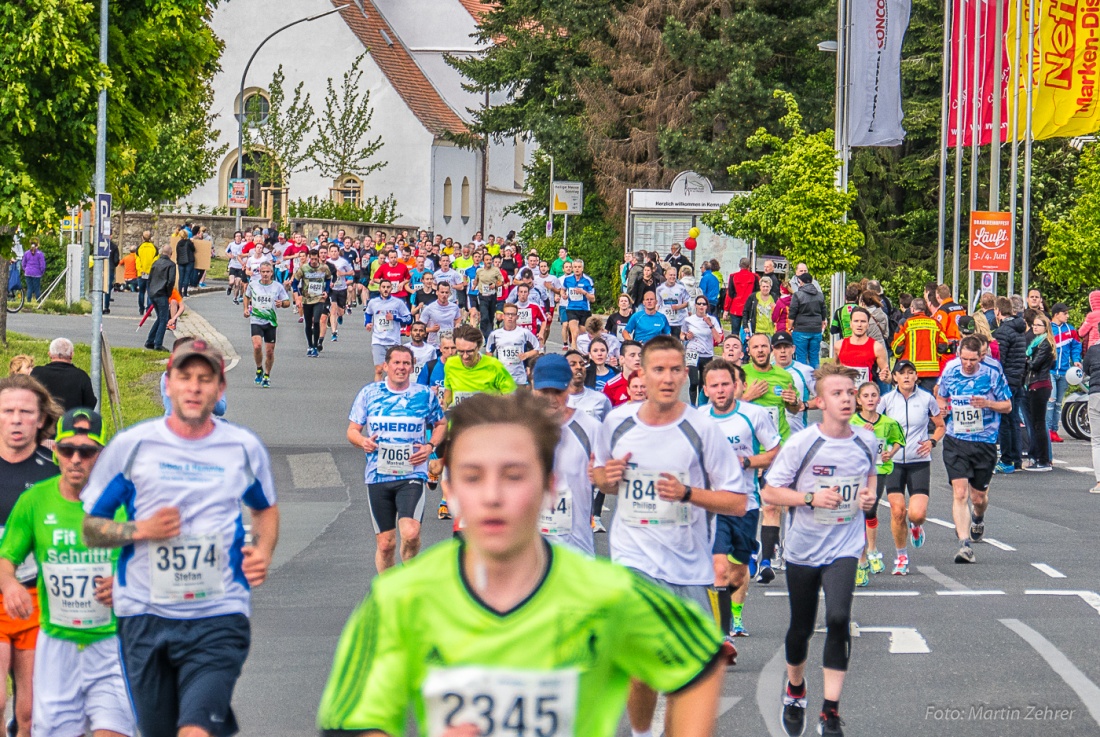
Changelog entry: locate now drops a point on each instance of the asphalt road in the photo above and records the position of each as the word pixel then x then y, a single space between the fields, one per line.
pixel 1009 646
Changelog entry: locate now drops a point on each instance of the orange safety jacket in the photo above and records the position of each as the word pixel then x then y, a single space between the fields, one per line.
pixel 948 318
pixel 920 340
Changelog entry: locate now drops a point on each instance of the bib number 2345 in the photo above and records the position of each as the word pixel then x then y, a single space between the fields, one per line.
pixel 502 702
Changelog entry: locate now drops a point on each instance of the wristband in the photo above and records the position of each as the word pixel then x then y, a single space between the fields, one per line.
pixel 687 494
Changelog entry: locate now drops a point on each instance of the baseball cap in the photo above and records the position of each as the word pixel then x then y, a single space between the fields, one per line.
pixel 198 347
pixel 66 426
pixel 904 365
pixel 782 338
pixel 967 325
pixel 552 371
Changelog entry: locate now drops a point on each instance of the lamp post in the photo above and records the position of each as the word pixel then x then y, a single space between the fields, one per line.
pixel 99 185
pixel 240 98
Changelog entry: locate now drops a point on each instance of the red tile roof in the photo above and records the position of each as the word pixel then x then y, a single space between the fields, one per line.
pixel 477 8
pixel 401 69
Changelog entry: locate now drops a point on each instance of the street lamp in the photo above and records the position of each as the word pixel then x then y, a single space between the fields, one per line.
pixel 840 127
pixel 242 112
pixel 99 185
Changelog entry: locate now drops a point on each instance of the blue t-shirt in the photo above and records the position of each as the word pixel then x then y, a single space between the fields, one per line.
pixel 471 273
pixel 643 326
pixel 571 285
pixel 397 418
pixel 989 382
pixel 432 375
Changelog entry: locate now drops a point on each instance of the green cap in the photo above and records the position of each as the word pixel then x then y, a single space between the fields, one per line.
pixel 66 426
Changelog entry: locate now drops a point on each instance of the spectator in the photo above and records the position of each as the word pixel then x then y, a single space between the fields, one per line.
pixel 34 268
pixel 770 275
pixel 645 283
pixel 1035 300
pixel 162 279
pixel 146 255
pixel 1067 353
pixel 1040 360
pixel 69 385
pixel 185 260
pixel 1090 327
pixel 905 303
pixel 109 279
pixel 1091 366
pixel 782 308
pixel 710 286
pixel 759 307
pixel 1012 341
pixel 677 258
pixel 21 364
pixel 129 270
pixel 879 329
pixel 741 286
pixel 987 303
pixel 796 283
pixel 920 341
pixel 806 319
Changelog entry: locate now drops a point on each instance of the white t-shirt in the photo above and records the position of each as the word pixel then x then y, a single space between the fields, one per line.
pixel 340 283
pixel 750 431
pixel 845 463
pixel 450 276
pixel 912 414
pixel 445 316
pixel 263 298
pixel 550 286
pixel 254 263
pixel 421 355
pixel 701 344
pixel 386 330
pixel 569 519
pixel 591 402
pixel 806 386
pixel 148 467
pixel 235 251
pixel 614 345
pixel 668 296
pixel 508 346
pixel 693 447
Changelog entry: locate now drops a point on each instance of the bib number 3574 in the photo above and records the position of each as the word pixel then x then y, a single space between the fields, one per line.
pixel 502 702
pixel 185 568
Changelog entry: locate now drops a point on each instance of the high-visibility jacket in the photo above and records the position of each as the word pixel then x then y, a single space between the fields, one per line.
pixel 947 316
pixel 920 340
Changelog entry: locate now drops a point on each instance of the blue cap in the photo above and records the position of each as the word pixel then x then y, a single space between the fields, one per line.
pixel 552 371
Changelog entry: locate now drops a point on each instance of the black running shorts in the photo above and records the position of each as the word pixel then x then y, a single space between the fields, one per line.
pixel 393 500
pixel 966 459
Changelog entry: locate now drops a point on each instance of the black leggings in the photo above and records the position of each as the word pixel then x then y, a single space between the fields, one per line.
pixel 695 378
pixel 1039 447
pixel 312 314
pixel 838 579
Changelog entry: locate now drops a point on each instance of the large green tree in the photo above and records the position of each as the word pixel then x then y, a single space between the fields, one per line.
pixel 1072 258
pixel 343 145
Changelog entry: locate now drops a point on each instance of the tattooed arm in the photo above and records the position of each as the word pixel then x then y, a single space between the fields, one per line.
pixel 107 533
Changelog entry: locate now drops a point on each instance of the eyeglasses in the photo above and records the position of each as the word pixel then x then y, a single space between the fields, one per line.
pixel 84 451
pixel 471 352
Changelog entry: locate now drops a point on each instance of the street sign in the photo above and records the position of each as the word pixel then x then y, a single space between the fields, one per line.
pixel 989 241
pixel 568 198
pixel 102 225
pixel 238 193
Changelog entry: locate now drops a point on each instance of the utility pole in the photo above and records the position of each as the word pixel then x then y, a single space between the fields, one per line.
pixel 99 185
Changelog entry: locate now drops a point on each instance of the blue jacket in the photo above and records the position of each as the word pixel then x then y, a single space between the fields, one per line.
pixel 708 284
pixel 1067 348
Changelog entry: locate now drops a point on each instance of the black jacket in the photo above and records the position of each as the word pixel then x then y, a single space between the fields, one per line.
pixel 749 315
pixel 639 290
pixel 678 261
pixel 807 310
pixel 162 278
pixel 1012 340
pixel 68 384
pixel 1091 366
pixel 1040 362
pixel 185 252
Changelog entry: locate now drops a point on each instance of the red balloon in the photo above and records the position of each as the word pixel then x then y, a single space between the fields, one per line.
pixel 689 244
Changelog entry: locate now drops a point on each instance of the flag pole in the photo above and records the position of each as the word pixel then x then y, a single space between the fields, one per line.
pixel 1014 131
pixel 960 18
pixel 945 121
pixel 998 98
pixel 1028 137
pixel 977 101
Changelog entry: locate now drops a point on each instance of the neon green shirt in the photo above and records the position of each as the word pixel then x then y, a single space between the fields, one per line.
pixel 489 376
pixel 51 526
pixel 462 263
pixel 778 380
pixel 558 664
pixel 888 431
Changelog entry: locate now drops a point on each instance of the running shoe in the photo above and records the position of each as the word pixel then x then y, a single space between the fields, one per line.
pixel 916 534
pixel 874 557
pixel 977 530
pixel 1095 489
pixel 444 513
pixel 1005 468
pixel 754 560
pixel 259 375
pixel 765 574
pixel 793 714
pixel 901 565
pixel 301 319
pixel 320 346
pixel 830 724
pixel 863 577
pixel 1038 467
pixel 778 562
pixel 738 629
pixel 729 652
pixel 965 555
pixel 228 291
pixel 334 337
pixel 266 383
pixel 597 525
pixel 1055 437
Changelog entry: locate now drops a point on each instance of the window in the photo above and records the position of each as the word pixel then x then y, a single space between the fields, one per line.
pixel 349 188
pixel 517 163
pixel 465 199
pixel 447 197
pixel 256 108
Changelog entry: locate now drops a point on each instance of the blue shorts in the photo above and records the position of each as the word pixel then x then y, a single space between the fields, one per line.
pixel 182 671
pixel 736 536
pixel 561 315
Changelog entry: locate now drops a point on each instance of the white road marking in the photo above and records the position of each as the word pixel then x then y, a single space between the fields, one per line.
pixel 998 544
pixel 858 593
pixel 1059 462
pixel 903 640
pixel 941 523
pixel 769 691
pixel 1089 597
pixel 1081 469
pixel 1085 689
pixel 314 471
pixel 991 592
pixel 1048 570
pixel 942 579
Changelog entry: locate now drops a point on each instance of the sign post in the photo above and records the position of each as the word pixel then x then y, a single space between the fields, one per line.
pixel 102 225
pixel 567 198
pixel 238 194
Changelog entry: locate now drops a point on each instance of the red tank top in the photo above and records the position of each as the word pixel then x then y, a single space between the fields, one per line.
pixel 859 357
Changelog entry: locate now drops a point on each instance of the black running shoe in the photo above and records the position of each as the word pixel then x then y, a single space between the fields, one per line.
pixel 830 725
pixel 793 714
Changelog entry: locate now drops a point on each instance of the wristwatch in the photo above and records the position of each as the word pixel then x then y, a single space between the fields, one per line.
pixel 746 462
pixel 809 499
pixel 687 494
pixel 934 442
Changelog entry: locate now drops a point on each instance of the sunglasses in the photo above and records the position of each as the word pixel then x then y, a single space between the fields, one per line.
pixel 84 451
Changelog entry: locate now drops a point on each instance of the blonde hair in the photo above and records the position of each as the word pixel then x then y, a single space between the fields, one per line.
pixel 21 364
pixel 981 325
pixel 1046 324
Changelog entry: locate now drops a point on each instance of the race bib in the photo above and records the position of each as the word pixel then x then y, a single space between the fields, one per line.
pixel 186 568
pixel 556 517
pixel 315 289
pixel 509 354
pixel 668 312
pixel 576 294
pixel 640 506
pixel 848 487
pixel 523 316
pixel 381 324
pixel 396 286
pixel 501 701
pixel 393 459
pixel 965 417
pixel 415 287
pixel 881 449
pixel 863 375
pixel 773 412
pixel 459 397
pixel 70 589
pixel 691 358
pixel 620 330
pixel 446 333
pixel 500 292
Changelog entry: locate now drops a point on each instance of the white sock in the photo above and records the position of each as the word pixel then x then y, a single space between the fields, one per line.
pixel 647 733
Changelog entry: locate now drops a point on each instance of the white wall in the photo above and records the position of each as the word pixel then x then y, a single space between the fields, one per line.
pixel 456 163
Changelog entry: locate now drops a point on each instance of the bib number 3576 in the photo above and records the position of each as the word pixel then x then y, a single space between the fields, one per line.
pixel 502 702
pixel 185 568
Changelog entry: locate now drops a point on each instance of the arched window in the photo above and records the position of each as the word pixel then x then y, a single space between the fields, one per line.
pixel 349 188
pixel 517 163
pixel 465 199
pixel 447 199
pixel 255 107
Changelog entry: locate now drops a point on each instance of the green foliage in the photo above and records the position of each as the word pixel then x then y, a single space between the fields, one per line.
pixel 1073 247
pixel 372 210
pixel 281 137
pixel 796 209
pixel 906 279
pixel 340 147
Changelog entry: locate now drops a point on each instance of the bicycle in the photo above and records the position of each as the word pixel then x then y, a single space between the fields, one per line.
pixel 17 293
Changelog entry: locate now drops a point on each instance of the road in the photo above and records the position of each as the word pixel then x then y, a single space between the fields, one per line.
pixel 1009 646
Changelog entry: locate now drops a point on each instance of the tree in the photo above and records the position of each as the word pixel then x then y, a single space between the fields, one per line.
pixel 1072 257
pixel 340 147
pixel 796 209
pixel 282 135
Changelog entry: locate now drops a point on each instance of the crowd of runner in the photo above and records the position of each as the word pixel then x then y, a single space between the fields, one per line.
pixel 736 455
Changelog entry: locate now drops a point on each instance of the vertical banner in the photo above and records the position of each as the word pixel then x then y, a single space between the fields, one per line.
pixel 1066 99
pixel 989 242
pixel 964 23
pixel 874 103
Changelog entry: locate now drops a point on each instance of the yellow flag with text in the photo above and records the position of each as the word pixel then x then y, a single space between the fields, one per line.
pixel 1065 70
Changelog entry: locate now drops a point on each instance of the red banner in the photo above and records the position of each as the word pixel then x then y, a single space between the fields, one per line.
pixel 964 23
pixel 989 241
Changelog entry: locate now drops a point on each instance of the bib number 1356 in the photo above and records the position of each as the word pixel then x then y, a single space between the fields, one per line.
pixel 501 702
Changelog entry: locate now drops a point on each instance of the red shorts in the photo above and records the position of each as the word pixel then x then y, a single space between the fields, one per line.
pixel 21 633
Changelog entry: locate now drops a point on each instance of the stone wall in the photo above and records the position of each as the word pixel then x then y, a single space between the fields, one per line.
pixel 222 227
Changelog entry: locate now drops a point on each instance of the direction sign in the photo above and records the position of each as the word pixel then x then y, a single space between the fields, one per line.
pixel 102 225
pixel 568 198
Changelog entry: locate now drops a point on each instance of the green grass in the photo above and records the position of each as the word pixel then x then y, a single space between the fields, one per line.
pixel 219 270
pixel 58 307
pixel 138 373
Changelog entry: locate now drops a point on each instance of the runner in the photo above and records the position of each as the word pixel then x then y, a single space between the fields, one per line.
pixel 397 274
pixel 567 518
pixel 182 590
pixel 911 407
pixel 78 681
pixel 733 350
pixel 755 441
pixel 422 350
pixel 630 361
pixel 493 603
pixel 514 346
pixel 861 352
pixel 578 291
pixel 471 372
pixel 673 298
pixel 672 468
pixel 890 439
pixel 338 295
pixel 700 334
pixel 973 396
pixel 803 375
pixel 384 316
pixel 826 474
pixel 27 412
pixel 594 403
pixel 647 323
pixel 313 282
pixel 531 315
pixel 441 316
pixel 235 251
pixel 261 299
pixel 404 425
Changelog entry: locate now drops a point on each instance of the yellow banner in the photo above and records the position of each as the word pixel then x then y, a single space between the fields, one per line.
pixel 1066 66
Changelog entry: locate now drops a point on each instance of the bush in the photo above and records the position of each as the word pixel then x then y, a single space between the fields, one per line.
pixel 597 243
pixel 372 210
